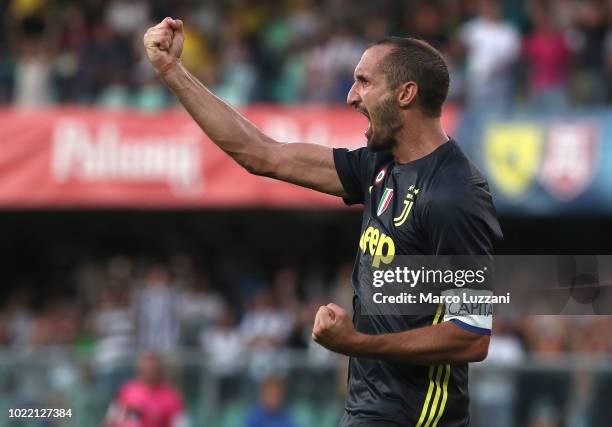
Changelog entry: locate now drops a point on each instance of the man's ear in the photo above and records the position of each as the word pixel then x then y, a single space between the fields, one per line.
pixel 407 94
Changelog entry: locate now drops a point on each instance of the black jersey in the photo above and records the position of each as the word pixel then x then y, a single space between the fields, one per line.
pixel 439 204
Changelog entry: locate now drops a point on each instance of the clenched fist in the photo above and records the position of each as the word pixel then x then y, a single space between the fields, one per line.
pixel 334 330
pixel 164 43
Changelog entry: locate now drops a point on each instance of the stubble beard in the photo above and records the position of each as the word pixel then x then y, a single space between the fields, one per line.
pixel 385 124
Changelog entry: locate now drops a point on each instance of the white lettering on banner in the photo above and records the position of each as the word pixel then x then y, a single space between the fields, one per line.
pixel 282 129
pixel 108 155
pixel 287 129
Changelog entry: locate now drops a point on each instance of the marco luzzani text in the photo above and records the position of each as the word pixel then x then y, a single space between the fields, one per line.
pixel 455 278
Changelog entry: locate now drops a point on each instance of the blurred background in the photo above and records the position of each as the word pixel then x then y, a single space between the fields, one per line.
pixel 134 252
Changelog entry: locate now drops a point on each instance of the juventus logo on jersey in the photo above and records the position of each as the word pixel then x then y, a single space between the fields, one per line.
pixel 408 202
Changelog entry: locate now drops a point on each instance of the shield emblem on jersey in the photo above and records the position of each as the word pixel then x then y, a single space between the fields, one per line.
pixel 570 159
pixel 512 153
pixel 385 201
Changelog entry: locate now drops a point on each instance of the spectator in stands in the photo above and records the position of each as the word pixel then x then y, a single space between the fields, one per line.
pixel 548 57
pixel 126 16
pixel 546 336
pixel 19 320
pixel 266 328
pixel 492 47
pixel 113 325
pixel 580 403
pixel 544 413
pixel 426 22
pixel 330 63
pixel 198 307
pixel 271 411
pixel 223 343
pixel 71 81
pixel 591 20
pixel 156 311
pixel 265 325
pixel 108 60
pixel 148 400
pixel 225 351
pixel 304 51
pixel 237 73
pixel 33 69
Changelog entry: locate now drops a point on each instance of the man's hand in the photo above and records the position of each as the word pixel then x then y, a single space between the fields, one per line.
pixel 334 330
pixel 164 43
pixel 308 165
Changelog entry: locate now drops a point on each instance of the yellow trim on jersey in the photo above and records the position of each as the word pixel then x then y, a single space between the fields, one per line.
pixel 441 388
pixel 427 398
pixel 434 405
pixel 438 314
pixel 444 395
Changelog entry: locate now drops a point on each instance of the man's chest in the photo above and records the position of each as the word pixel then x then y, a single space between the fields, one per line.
pixel 392 212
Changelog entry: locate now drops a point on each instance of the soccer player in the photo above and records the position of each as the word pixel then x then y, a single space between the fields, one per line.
pixel 421 195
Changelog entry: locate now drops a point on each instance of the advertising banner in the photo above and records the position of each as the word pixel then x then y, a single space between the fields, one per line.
pixel 545 165
pixel 93 158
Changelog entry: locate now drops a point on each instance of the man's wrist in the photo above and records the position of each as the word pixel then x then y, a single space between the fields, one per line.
pixel 358 344
pixel 170 69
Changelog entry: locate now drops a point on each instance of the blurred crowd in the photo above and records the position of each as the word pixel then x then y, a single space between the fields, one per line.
pixel 253 329
pixel 113 307
pixel 124 304
pixel 543 54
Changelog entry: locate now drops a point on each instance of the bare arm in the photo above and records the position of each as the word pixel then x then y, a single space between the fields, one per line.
pixel 308 165
pixel 442 343
pixel 438 344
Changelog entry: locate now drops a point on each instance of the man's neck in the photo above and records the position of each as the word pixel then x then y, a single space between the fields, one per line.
pixel 419 140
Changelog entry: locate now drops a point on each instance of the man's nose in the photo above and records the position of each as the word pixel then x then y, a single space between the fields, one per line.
pixel 353 97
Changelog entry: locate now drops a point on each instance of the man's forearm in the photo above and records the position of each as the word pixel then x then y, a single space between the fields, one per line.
pixel 307 165
pixel 225 126
pixel 443 343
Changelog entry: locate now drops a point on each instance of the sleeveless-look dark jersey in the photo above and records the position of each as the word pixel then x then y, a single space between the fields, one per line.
pixel 439 204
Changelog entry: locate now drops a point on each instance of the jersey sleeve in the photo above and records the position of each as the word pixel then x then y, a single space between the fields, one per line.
pixel 352 167
pixel 462 221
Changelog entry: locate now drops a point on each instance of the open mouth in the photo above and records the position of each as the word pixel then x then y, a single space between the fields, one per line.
pixel 368 131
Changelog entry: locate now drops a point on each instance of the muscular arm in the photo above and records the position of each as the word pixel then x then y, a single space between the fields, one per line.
pixel 308 165
pixel 438 344
pixel 442 343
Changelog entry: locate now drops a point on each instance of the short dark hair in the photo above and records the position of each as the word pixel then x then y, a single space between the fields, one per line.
pixel 416 60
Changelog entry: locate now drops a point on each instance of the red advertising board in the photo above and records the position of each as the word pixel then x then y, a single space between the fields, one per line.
pixel 92 158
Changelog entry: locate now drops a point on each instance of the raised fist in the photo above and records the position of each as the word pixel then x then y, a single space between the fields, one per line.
pixel 164 43
pixel 334 330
